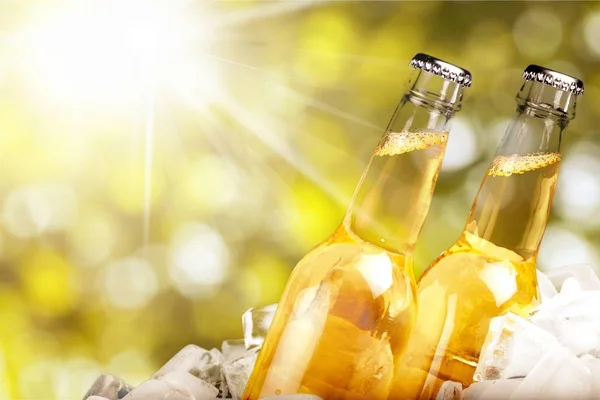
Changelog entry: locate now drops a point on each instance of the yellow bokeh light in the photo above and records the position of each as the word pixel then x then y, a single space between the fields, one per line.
pixel 127 187
pixel 262 279
pixel 48 282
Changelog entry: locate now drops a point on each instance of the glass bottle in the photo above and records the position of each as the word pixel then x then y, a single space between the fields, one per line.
pixel 492 267
pixel 348 306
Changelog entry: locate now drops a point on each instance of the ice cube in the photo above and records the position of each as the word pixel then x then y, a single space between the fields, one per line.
pixel 237 372
pixel 199 362
pixel 593 364
pixel 450 390
pixel 584 274
pixel 579 335
pixel 187 382
pixel 547 288
pixel 570 287
pixel 232 349
pixel 256 323
pixel 558 375
pixel 512 347
pixel 110 387
pixel 573 304
pixel 491 390
pixel 293 397
pixel 155 389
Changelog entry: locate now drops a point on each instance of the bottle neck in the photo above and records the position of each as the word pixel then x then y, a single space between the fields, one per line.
pixel 512 206
pixel 393 196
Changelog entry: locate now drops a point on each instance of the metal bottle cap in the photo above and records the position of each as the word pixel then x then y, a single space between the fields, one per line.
pixel 442 68
pixel 553 78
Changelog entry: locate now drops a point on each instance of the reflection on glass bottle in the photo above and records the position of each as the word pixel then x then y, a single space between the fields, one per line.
pixel 348 306
pixel 492 267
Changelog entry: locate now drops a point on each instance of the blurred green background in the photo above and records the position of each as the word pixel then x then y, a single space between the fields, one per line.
pixel 164 164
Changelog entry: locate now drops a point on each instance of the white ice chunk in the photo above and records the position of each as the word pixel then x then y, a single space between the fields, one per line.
pixel 237 372
pixel 110 387
pixel 584 274
pixel 558 375
pixel 579 335
pixel 491 390
pixel 187 382
pixel 547 288
pixel 186 359
pixel 232 349
pixel 158 390
pixel 199 362
pixel 256 323
pixel 593 364
pixel 571 287
pixel 582 305
pixel 450 390
pixel 293 397
pixel 512 347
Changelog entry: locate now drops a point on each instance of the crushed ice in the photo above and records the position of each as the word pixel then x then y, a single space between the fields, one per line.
pixel 198 374
pixel 552 354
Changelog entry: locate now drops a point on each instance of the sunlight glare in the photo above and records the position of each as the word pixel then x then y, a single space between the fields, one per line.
pixel 111 52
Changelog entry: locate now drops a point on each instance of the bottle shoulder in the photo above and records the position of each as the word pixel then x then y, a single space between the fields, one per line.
pixel 472 261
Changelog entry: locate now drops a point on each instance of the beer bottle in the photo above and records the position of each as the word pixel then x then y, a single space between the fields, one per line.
pixel 492 267
pixel 349 305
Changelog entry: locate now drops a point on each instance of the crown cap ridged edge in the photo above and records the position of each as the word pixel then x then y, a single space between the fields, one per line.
pixel 558 80
pixel 442 68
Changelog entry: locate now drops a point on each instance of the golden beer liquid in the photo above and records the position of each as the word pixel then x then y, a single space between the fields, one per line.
pixel 489 271
pixel 348 306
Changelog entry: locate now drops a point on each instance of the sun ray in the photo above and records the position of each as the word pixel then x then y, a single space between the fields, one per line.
pixel 383 61
pixel 312 102
pixel 229 146
pixel 267 11
pixel 148 163
pixel 282 148
pixel 331 109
